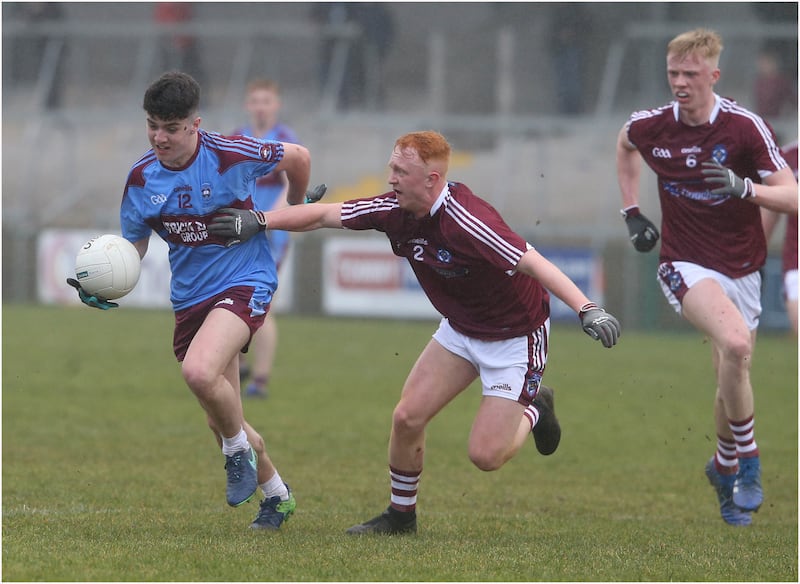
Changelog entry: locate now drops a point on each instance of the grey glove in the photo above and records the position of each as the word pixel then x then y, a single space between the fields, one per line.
pixel 731 184
pixel 641 230
pixel 89 299
pixel 315 194
pixel 599 324
pixel 237 225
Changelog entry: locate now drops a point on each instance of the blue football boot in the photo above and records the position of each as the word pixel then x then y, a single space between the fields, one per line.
pixel 242 477
pixel 747 493
pixel 723 485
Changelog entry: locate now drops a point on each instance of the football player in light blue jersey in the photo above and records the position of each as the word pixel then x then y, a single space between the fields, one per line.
pixel 223 277
pixel 263 104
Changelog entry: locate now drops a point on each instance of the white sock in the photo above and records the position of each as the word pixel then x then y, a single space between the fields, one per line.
pixel 532 413
pixel 275 486
pixel 235 444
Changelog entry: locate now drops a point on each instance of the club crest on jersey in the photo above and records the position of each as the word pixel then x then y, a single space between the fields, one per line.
pixel 534 382
pixel 266 152
pixel 205 191
pixel 719 153
pixel 444 256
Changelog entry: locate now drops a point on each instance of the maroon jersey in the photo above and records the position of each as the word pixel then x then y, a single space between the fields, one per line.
pixel 464 256
pixel 790 243
pixel 715 231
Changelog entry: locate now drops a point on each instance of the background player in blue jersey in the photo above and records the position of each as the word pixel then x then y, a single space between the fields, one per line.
pixel 221 288
pixel 263 104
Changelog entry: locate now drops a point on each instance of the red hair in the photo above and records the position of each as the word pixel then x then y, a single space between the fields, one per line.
pixel 430 146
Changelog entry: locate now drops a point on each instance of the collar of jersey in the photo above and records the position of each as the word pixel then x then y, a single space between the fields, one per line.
pixel 440 200
pixel 677 112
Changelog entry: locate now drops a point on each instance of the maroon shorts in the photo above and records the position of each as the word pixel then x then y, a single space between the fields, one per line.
pixel 236 299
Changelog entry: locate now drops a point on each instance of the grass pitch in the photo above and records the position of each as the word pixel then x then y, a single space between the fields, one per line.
pixel 109 472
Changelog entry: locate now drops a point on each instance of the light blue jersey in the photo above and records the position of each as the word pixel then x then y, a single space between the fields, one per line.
pixel 179 204
pixel 270 188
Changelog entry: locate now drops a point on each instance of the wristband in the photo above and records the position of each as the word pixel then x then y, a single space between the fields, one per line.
pixel 749 189
pixel 632 211
pixel 261 219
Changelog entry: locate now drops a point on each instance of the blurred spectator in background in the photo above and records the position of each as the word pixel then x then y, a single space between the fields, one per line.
pixel 263 104
pixel 41 54
pixel 363 76
pixel 567 54
pixel 780 13
pixel 178 51
pixel 773 92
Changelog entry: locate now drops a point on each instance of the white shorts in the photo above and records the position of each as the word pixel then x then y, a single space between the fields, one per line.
pixel 511 369
pixel 677 277
pixel 790 285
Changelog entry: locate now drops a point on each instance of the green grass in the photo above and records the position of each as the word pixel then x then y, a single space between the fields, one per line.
pixel 109 472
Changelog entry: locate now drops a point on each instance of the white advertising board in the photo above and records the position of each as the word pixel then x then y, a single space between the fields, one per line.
pixel 362 277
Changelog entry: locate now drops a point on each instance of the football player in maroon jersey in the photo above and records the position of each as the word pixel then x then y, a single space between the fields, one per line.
pixel 491 287
pixel 717 164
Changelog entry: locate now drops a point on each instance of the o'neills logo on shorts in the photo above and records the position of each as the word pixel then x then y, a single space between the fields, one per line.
pixel 501 387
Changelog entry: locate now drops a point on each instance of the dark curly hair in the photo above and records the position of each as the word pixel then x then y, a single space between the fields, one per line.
pixel 173 96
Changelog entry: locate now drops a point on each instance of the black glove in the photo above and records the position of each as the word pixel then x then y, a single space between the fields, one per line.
pixel 315 194
pixel 599 324
pixel 237 225
pixel 643 233
pixel 88 299
pixel 731 184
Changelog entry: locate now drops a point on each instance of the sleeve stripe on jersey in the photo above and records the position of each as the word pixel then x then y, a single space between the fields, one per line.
pixel 482 232
pixel 147 158
pixel 245 146
pixel 354 209
pixel 651 113
pixel 773 149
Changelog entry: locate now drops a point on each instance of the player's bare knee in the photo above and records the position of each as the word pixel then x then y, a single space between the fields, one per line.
pixel 486 459
pixel 737 347
pixel 199 378
pixel 404 421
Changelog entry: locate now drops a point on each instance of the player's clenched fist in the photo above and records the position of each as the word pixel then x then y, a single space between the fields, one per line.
pixel 643 233
pixel 599 324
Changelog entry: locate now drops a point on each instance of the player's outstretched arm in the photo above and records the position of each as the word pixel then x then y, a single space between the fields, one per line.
pixel 296 162
pixel 306 217
pixel 238 225
pixel 596 322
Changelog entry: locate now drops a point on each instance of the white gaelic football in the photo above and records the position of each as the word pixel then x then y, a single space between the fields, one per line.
pixel 108 267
